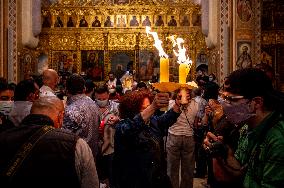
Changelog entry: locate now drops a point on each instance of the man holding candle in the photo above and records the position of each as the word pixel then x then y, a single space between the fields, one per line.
pixel 180 147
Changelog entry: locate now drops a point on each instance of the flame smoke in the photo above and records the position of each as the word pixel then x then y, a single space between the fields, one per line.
pixel 158 42
pixel 181 54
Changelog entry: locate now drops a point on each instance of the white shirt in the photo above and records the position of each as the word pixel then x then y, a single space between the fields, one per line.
pixel 46 91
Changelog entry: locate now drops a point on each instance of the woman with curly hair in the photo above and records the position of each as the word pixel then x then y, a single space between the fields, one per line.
pixel 138 147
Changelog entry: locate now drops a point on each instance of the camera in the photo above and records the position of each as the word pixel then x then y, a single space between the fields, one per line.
pixel 217 149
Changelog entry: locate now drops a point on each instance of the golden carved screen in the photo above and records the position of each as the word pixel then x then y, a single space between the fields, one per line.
pixel 109 25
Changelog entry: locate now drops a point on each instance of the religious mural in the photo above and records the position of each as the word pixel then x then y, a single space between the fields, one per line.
pixel 65 61
pixel 93 64
pixel 244 10
pixel 184 20
pixel 97 22
pixel 120 62
pixel 172 22
pixel 159 21
pixel 148 65
pixel 121 20
pixel 109 21
pixel 243 55
pixel 146 20
pixel 134 21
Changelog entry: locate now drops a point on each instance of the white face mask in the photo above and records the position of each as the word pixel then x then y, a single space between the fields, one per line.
pixel 210 79
pixel 102 103
pixel 6 107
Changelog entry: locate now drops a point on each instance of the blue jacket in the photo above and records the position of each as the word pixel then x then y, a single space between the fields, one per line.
pixel 138 151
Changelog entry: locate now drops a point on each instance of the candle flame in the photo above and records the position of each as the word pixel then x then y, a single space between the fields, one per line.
pixel 158 42
pixel 181 54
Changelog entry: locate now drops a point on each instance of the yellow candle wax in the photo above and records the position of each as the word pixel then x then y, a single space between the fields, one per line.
pixel 183 71
pixel 164 70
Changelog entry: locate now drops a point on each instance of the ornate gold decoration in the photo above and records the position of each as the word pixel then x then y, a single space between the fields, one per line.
pixel 113 39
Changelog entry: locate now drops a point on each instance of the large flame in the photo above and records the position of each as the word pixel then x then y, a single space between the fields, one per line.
pixel 158 42
pixel 181 54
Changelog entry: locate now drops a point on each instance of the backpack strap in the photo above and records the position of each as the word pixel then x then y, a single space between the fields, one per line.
pixel 24 151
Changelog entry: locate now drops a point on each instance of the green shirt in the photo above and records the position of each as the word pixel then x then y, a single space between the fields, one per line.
pixel 264 156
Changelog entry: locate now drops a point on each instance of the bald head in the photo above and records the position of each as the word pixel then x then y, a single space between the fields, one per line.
pixel 47 105
pixel 51 107
pixel 50 78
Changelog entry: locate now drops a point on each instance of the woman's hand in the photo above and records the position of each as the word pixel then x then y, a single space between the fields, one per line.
pixel 161 100
pixel 113 119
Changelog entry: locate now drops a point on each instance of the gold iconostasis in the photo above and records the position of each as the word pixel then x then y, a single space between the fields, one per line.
pixel 106 35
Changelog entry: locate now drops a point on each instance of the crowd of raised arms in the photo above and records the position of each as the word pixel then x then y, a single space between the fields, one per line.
pixel 68 131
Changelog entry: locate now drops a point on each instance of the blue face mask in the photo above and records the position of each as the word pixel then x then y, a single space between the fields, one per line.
pixel 102 103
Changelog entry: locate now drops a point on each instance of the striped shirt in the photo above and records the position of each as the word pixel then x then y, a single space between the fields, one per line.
pixel 184 123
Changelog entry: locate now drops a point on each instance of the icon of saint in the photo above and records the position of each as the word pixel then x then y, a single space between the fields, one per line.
pixel 172 22
pixel 185 21
pixel 108 22
pixel 70 22
pixel 58 22
pixel 96 22
pixel 146 22
pixel 159 21
pixel 83 22
pixel 134 22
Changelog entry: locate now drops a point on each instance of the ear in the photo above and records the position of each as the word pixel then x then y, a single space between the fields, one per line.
pixel 259 104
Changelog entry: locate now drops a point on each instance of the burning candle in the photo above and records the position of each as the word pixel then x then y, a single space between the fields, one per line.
pixel 183 72
pixel 183 60
pixel 164 69
pixel 164 61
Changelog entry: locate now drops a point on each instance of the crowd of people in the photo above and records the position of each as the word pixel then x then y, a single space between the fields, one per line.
pixel 86 135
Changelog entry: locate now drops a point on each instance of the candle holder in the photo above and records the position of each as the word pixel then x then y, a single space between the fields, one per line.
pixel 172 86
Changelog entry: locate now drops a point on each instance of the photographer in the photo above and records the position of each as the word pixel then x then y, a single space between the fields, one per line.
pixel 259 158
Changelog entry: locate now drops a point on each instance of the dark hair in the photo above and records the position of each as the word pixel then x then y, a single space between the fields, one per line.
pixel 75 84
pixel 202 67
pixel 141 85
pixel 197 91
pixel 3 84
pixel 211 91
pixel 24 89
pixel 213 76
pixel 102 89
pixel 110 72
pixel 131 103
pixel 12 86
pixel 89 85
pixel 250 83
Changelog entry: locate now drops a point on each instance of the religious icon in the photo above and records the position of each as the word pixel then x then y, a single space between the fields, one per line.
pixel 108 22
pixel 146 21
pixel 93 64
pixel 244 10
pixel 96 22
pixel 46 22
pixel 172 21
pixel 201 59
pixel 65 61
pixel 121 21
pixel 244 59
pixel 196 19
pixel 58 22
pixel 134 22
pixel 83 22
pixel 185 21
pixel 149 65
pixel 70 22
pixel 159 21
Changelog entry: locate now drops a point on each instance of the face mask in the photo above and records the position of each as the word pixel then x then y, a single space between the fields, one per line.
pixel 6 107
pixel 102 103
pixel 210 79
pixel 237 114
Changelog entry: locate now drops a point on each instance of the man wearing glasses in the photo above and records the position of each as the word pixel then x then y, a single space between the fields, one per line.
pixel 259 158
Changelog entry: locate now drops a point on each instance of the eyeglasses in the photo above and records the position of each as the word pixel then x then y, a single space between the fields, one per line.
pixel 230 99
